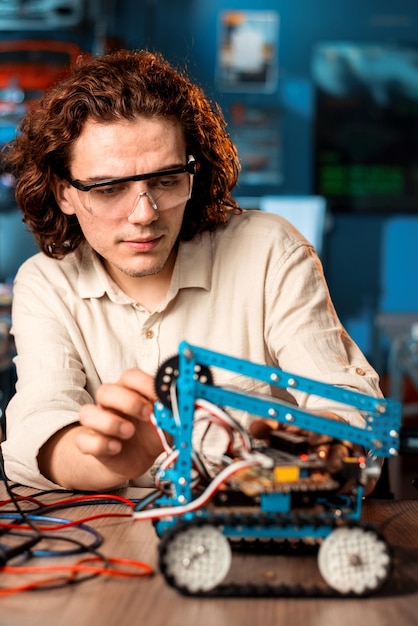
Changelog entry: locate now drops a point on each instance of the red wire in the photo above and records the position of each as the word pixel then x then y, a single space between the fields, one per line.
pixel 22 499
pixel 80 567
pixel 35 584
pixel 69 501
pixel 147 570
pixel 99 496
pixel 72 500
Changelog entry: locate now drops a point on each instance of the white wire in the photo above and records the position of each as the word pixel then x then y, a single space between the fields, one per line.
pixel 167 448
pixel 225 420
pixel 172 511
pixel 215 415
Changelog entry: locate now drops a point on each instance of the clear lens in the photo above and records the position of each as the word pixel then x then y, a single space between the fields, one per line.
pixel 121 199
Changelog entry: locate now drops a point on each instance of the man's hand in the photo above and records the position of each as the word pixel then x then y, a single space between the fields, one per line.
pixel 113 442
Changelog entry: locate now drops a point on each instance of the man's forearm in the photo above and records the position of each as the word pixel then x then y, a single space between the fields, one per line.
pixel 61 461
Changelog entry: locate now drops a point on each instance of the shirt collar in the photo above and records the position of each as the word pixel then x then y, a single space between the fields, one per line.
pixel 192 269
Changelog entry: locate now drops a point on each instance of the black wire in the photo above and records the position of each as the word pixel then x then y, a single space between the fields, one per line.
pixel 39 492
pixel 49 508
pixel 7 553
pixel 82 547
pixel 74 494
pixel 11 494
pixel 26 547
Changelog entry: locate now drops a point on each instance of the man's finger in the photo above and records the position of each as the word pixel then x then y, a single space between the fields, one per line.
pixel 261 428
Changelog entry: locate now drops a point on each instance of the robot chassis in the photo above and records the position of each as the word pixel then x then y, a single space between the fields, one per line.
pixel 281 495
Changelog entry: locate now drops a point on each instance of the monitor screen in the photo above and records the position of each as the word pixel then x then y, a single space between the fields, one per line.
pixel 366 126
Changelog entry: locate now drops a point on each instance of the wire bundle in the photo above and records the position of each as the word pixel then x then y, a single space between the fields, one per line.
pixel 239 445
pixel 26 532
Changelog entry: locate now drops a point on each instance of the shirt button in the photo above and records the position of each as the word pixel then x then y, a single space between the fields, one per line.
pixel 360 371
pixel 149 334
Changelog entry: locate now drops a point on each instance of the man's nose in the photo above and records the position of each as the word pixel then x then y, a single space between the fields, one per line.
pixel 144 209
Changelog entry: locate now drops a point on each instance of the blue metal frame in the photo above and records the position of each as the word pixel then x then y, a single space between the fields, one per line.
pixel 380 435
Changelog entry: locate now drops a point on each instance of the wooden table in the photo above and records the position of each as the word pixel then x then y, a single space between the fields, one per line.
pixel 116 602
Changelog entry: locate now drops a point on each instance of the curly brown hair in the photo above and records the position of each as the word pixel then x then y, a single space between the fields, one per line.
pixel 118 85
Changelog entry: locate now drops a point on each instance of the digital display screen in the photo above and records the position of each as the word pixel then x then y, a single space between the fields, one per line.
pixel 366 127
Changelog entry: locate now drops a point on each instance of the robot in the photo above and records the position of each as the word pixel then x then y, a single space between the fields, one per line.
pixel 264 495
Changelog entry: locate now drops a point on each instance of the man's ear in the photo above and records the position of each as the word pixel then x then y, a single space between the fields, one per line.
pixel 63 195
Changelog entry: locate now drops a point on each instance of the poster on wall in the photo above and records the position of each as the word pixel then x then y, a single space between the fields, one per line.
pixel 256 131
pixel 247 51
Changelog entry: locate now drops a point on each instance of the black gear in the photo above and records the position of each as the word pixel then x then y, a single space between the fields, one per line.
pixel 167 374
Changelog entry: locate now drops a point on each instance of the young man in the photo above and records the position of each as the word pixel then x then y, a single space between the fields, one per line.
pixel 124 173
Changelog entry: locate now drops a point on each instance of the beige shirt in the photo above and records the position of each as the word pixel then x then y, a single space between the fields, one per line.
pixel 254 289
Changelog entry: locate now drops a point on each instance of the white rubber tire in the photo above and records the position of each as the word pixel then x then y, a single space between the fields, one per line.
pixel 354 560
pixel 198 558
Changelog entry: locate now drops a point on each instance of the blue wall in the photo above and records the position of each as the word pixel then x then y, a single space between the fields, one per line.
pixel 370 261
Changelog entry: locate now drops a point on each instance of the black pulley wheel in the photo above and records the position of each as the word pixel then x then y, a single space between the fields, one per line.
pixel 167 375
